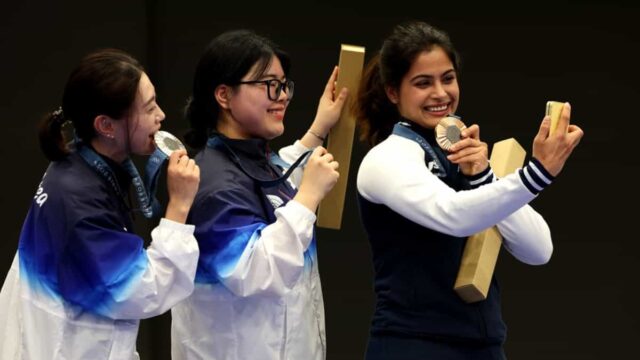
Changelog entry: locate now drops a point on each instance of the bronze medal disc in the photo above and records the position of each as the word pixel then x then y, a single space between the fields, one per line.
pixel 448 131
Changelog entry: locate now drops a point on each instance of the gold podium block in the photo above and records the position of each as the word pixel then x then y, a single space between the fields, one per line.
pixel 481 251
pixel 340 141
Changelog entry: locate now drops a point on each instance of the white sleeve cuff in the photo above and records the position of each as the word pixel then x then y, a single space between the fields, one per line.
pixel 300 219
pixel 292 152
pixel 176 226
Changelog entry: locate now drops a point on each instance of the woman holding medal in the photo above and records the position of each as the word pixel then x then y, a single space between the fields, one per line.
pixel 419 203
pixel 81 279
pixel 257 293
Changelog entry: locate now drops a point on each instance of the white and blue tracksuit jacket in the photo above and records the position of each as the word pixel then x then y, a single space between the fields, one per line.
pixel 81 279
pixel 257 292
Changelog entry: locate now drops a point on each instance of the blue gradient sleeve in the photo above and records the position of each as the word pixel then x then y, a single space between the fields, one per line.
pixel 100 269
pixel 227 222
pixel 222 248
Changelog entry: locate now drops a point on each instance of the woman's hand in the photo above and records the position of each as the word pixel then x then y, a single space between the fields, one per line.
pixel 470 153
pixel 183 178
pixel 328 113
pixel 553 150
pixel 319 177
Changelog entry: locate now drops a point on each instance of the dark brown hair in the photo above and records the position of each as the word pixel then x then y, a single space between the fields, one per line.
pixel 104 83
pixel 375 113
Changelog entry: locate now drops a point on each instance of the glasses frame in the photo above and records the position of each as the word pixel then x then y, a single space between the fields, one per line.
pixel 288 83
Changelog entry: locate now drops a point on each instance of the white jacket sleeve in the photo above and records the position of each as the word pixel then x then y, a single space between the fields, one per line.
pixel 107 271
pixel 240 249
pixel 10 324
pixel 168 277
pixel 289 154
pixel 394 174
pixel 274 259
pixel 526 234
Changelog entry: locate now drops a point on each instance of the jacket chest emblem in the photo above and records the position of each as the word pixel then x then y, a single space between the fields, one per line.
pixel 275 201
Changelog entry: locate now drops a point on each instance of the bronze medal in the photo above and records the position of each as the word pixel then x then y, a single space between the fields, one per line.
pixel 448 131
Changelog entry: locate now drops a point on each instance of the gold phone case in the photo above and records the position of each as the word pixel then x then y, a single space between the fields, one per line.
pixel 554 109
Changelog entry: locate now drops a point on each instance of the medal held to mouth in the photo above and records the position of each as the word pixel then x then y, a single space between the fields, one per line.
pixel 449 131
pixel 167 142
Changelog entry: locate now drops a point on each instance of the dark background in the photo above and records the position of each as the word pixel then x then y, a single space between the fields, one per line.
pixel 582 305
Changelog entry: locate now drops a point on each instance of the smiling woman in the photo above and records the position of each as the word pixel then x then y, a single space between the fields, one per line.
pixel 419 203
pixel 133 131
pixel 81 279
pixel 257 292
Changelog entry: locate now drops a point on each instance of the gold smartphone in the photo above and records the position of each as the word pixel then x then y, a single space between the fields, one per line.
pixel 554 109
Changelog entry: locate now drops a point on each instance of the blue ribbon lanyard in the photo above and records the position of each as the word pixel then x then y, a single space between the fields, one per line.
pixel 152 174
pixel 148 207
pixel 215 142
pixel 404 130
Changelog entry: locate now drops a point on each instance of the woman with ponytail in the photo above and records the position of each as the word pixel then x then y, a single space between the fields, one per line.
pixel 419 203
pixel 257 292
pixel 81 279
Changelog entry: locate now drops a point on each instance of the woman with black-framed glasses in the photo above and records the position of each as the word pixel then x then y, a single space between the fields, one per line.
pixel 257 292
pixel 274 87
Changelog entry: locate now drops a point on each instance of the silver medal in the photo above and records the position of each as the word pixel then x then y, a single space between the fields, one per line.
pixel 167 143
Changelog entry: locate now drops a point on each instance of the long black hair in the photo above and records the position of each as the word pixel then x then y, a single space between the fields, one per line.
pixel 226 60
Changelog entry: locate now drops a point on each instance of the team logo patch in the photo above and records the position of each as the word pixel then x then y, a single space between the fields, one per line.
pixel 275 201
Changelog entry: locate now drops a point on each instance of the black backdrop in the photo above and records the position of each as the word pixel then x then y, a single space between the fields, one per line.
pixel 582 305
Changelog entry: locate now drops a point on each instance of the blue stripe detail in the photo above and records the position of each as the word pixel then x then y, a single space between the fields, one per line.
pixel 310 254
pixel 220 251
pixel 483 178
pixel 536 179
pixel 526 182
pixel 538 166
pixel 531 179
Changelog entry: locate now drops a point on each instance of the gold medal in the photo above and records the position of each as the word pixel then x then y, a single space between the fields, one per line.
pixel 167 143
pixel 448 131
